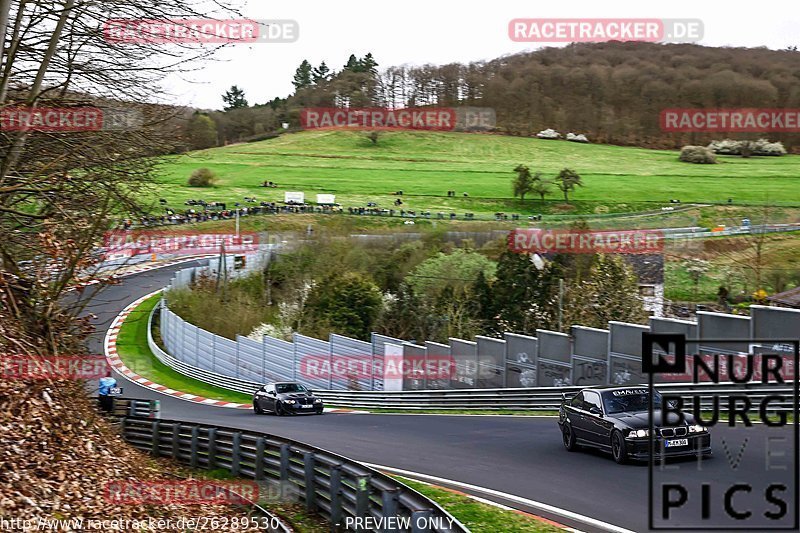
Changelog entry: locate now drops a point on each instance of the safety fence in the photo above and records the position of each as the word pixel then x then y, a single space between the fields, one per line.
pixel 532 399
pixel 584 356
pixel 336 487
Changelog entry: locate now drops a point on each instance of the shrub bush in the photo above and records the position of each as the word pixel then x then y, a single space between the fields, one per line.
pixel 202 177
pixel 764 147
pixel 549 133
pixel 697 154
pixel 747 148
pixel 580 138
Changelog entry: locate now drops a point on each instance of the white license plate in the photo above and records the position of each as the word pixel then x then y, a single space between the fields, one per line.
pixel 306 406
pixel 677 442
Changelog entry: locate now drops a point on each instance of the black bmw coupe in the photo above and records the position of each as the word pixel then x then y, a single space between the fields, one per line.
pixel 286 398
pixel 617 420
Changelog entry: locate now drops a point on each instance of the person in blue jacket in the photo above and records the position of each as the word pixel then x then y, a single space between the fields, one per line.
pixel 104 392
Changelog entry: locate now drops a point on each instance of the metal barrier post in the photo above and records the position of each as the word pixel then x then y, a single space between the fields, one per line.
pixel 284 462
pixel 261 446
pixel 238 374
pixel 193 449
pixel 308 467
pixel 236 453
pixel 176 437
pixel 131 410
pixel 389 499
pixel 212 448
pixel 362 495
pixel 155 428
pixel 214 352
pixel 336 494
pixel 421 521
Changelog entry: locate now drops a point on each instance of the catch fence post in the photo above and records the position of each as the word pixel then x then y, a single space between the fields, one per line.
pixel 308 467
pixel 193 449
pixel 261 446
pixel 155 428
pixel 236 453
pixel 389 498
pixel 362 495
pixel 336 494
pixel 284 462
pixel 176 437
pixel 212 448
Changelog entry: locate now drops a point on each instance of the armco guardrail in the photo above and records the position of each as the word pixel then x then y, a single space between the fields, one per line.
pixel 136 407
pixel 327 483
pixel 544 398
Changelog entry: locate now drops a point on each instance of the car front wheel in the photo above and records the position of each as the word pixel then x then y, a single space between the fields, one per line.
pixel 568 437
pixel 279 409
pixel 618 449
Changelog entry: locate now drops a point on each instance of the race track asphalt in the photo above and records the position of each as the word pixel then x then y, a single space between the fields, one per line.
pixel 521 456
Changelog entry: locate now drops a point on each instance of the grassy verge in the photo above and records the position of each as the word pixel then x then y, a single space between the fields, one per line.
pixel 134 352
pixel 479 516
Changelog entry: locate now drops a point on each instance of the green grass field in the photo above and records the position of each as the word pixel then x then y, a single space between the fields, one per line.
pixel 134 352
pixel 425 165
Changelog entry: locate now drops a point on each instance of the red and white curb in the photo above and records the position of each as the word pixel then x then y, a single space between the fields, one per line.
pixel 110 349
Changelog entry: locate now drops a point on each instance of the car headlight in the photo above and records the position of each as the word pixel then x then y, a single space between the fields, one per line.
pixel 318 400
pixel 638 433
pixel 290 402
pixel 697 429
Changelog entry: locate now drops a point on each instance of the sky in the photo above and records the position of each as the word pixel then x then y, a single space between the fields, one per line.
pixel 416 32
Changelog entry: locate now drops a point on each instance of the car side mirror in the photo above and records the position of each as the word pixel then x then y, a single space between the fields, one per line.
pixel 271 393
pixel 595 410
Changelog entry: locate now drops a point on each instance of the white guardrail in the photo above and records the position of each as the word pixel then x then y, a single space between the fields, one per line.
pixel 539 398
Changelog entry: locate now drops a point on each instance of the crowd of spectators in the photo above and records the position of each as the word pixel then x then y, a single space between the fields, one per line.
pixel 202 211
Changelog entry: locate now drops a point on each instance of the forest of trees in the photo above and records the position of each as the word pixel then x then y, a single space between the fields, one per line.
pixel 613 92
pixel 427 289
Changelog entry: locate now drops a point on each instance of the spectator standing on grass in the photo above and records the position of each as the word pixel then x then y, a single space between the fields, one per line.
pixel 104 392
